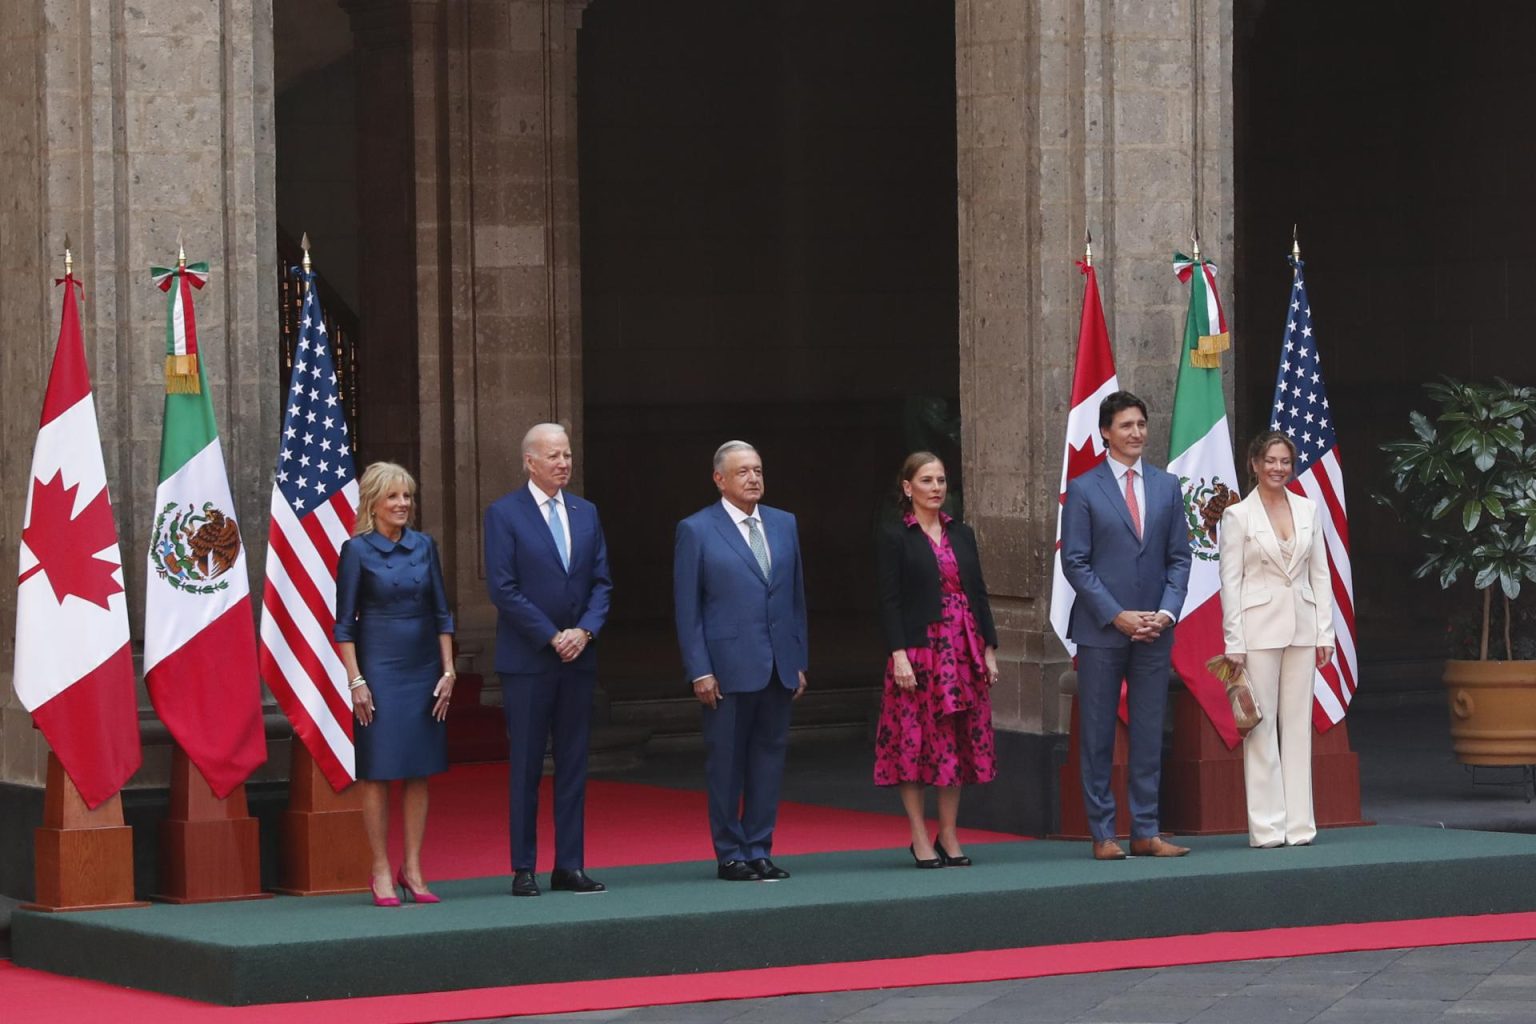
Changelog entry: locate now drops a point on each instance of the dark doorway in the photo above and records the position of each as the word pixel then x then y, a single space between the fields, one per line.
pixel 768 204
pixel 1397 138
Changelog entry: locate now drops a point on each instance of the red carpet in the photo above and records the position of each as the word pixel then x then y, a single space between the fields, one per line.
pixel 626 824
pixel 34 997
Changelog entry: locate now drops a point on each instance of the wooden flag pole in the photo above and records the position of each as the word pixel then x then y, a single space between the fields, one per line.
pixel 210 849
pixel 84 857
pixel 325 848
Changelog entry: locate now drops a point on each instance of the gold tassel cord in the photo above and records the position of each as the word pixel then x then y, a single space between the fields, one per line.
pixel 181 375
pixel 1207 354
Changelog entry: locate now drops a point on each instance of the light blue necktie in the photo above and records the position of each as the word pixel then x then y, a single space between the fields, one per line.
pixel 755 542
pixel 557 531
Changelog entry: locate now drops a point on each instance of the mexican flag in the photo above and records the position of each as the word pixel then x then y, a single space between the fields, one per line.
pixel 199 633
pixel 1200 455
pixel 74 664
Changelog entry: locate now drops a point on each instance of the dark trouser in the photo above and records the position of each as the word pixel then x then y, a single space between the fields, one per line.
pixel 745 737
pixel 1144 667
pixel 553 708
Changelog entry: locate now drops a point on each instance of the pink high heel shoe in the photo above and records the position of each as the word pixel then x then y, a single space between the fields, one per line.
pixel 413 894
pixel 384 901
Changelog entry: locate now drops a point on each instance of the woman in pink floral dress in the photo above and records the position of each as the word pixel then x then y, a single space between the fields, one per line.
pixel 936 710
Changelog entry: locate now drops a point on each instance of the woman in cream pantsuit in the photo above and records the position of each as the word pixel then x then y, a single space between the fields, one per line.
pixel 1277 614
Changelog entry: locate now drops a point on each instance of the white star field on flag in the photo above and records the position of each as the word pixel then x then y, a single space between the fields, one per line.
pixel 315 460
pixel 1301 407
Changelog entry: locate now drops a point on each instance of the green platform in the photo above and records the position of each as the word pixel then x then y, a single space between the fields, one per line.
pixel 675 918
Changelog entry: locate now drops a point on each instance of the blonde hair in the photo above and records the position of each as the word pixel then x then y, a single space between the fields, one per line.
pixel 375 482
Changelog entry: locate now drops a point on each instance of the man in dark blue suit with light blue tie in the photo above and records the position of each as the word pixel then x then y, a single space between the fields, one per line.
pixel 1125 551
pixel 546 565
pixel 740 605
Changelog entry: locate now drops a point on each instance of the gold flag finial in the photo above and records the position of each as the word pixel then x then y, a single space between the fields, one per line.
pixel 304 244
pixel 69 258
pixel 1087 248
pixel 181 252
pixel 1295 245
pixel 1194 238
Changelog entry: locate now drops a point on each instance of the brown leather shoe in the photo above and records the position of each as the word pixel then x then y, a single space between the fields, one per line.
pixel 1156 847
pixel 1107 849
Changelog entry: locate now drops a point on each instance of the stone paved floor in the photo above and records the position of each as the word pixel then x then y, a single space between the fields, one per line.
pixel 1493 983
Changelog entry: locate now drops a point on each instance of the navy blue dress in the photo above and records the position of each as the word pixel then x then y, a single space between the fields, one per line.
pixel 391 603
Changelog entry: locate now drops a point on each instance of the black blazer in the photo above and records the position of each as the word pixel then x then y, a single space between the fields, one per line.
pixel 910 594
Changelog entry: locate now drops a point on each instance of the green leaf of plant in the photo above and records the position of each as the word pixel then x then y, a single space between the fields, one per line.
pixel 1471 512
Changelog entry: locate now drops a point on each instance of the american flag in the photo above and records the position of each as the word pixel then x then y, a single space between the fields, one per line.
pixel 1302 411
pixel 314 503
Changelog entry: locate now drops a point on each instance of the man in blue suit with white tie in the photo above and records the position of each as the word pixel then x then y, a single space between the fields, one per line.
pixel 739 598
pixel 546 565
pixel 1125 551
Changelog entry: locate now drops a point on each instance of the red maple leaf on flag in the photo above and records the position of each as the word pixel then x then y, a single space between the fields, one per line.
pixel 1081 459
pixel 65 546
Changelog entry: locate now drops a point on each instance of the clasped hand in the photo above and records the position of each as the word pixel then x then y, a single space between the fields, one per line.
pixel 569 643
pixel 1142 627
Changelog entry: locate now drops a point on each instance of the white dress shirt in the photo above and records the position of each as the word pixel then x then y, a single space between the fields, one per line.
pixel 740 519
pixel 542 500
pixel 1140 485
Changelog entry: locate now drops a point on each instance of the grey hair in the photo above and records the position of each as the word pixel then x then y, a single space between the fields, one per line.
pixel 727 448
pixel 538 429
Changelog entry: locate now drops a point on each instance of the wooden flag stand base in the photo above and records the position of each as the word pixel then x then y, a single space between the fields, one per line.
pixel 84 857
pixel 1203 790
pixel 210 849
pixel 1202 784
pixel 325 848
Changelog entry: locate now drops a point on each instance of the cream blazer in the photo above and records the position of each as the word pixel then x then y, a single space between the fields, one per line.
pixel 1268 601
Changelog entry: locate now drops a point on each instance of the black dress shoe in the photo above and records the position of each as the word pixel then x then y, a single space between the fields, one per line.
pixel 767 870
pixel 524 884
pixel 949 860
pixel 574 880
pixel 924 862
pixel 737 871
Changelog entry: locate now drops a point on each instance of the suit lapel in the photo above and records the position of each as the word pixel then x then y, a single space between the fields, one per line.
pixel 1302 528
pixel 780 548
pixel 1116 498
pixel 738 543
pixel 1262 531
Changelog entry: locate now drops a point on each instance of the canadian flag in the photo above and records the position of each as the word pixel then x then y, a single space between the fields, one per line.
pixel 1093 380
pixel 74 669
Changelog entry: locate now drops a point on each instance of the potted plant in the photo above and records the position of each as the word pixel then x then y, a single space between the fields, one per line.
pixel 1466 482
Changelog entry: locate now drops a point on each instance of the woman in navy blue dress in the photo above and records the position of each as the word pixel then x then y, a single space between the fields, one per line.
pixel 395 636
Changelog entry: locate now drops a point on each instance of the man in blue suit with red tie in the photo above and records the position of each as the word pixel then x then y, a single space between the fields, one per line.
pixel 546 565
pixel 739 599
pixel 1125 551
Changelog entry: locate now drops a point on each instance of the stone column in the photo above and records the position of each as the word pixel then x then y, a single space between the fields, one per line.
pixel 126 123
pixel 471 288
pixel 517 264
pixel 1073 115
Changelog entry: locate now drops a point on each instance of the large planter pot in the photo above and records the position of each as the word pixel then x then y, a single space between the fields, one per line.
pixel 1493 711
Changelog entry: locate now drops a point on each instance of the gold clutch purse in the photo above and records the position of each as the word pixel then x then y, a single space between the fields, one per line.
pixel 1245 709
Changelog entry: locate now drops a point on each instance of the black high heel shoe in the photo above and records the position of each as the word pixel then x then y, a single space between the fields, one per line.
pixel 949 861
pixel 932 862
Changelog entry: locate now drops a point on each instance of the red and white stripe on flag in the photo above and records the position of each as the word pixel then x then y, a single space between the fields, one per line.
pixel 1334 684
pixel 314 505
pixel 1303 412
pixel 1093 379
pixel 299 662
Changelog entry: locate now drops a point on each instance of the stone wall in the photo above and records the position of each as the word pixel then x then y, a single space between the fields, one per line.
pixel 1074 115
pixel 126 123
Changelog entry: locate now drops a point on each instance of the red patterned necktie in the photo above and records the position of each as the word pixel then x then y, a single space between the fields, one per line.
pixel 1130 501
